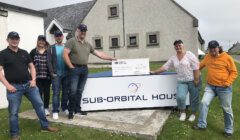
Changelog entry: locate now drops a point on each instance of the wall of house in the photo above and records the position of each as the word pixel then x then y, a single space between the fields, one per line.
pixel 141 17
pixel 4 102
pixel 100 25
pixel 28 27
pixel 3 32
pixel 163 16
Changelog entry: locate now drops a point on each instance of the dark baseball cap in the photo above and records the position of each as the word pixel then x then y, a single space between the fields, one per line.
pixel 177 42
pixel 82 27
pixel 13 35
pixel 58 33
pixel 213 44
pixel 41 37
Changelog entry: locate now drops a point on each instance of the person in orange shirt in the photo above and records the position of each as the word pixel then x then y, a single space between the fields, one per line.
pixel 221 72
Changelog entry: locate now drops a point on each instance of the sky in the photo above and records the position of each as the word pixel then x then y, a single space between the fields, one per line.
pixel 218 19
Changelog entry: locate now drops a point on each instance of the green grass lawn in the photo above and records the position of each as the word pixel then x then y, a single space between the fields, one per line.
pixel 173 129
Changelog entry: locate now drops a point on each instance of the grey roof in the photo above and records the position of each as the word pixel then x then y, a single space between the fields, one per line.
pixel 15 8
pixel 69 16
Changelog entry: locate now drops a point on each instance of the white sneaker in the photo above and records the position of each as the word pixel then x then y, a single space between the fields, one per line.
pixel 55 116
pixel 192 118
pixel 66 112
pixel 47 113
pixel 183 117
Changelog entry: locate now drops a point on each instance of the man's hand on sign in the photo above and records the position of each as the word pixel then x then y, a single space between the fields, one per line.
pixel 103 55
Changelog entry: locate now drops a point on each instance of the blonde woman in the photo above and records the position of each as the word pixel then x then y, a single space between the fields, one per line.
pixel 43 80
pixel 186 65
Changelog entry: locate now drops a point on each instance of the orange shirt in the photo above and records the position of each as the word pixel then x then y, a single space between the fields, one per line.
pixel 221 70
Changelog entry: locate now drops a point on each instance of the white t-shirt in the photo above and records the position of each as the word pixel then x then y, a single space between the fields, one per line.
pixel 184 67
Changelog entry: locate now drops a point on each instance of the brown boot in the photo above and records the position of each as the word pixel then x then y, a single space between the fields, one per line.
pixel 16 138
pixel 50 129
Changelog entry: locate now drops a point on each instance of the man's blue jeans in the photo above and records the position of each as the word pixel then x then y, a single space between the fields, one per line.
pixel 58 83
pixel 14 100
pixel 182 90
pixel 78 78
pixel 225 97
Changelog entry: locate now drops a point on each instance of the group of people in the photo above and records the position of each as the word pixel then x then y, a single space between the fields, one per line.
pixel 64 66
pixel 221 73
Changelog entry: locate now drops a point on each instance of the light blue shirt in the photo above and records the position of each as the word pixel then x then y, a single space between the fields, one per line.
pixel 60 62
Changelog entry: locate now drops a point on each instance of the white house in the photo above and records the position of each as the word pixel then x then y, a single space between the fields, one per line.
pixel 129 28
pixel 28 23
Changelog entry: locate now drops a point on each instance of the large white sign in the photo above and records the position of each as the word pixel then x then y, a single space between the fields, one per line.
pixel 123 67
pixel 130 92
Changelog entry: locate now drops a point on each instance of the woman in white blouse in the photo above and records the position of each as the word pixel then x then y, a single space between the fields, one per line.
pixel 186 64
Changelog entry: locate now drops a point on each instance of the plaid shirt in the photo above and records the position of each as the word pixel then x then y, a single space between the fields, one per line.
pixel 40 62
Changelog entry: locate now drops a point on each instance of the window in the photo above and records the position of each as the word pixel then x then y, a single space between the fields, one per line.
pixel 153 39
pixel 3 13
pixel 114 41
pixel 98 42
pixel 132 40
pixel 113 11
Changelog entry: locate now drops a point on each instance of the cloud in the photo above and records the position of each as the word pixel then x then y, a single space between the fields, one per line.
pixel 218 20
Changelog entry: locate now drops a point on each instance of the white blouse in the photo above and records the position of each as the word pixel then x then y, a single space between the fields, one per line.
pixel 184 67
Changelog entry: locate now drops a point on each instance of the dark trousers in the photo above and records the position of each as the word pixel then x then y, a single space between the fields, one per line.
pixel 78 77
pixel 44 90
